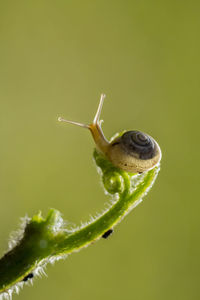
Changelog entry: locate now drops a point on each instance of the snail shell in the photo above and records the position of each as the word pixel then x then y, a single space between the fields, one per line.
pixel 134 152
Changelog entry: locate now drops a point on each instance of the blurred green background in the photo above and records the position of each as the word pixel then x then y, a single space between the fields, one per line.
pixel 56 58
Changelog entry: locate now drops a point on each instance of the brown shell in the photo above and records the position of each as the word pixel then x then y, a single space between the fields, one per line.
pixel 128 158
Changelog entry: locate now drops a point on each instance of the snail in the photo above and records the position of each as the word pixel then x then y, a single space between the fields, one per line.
pixel 133 151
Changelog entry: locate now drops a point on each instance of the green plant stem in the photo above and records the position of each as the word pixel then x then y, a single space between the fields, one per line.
pixel 112 217
pixel 45 239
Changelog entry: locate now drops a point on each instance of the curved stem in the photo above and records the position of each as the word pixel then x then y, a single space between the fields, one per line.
pixel 47 239
pixel 108 219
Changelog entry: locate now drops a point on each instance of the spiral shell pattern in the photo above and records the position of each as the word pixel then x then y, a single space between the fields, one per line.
pixel 138 144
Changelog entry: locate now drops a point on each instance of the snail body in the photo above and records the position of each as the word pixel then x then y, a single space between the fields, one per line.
pixel 133 151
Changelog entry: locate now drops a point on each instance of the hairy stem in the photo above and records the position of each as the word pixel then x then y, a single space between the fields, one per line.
pixel 45 240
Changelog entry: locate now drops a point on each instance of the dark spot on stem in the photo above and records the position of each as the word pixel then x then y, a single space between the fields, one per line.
pixel 107 233
pixel 29 276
